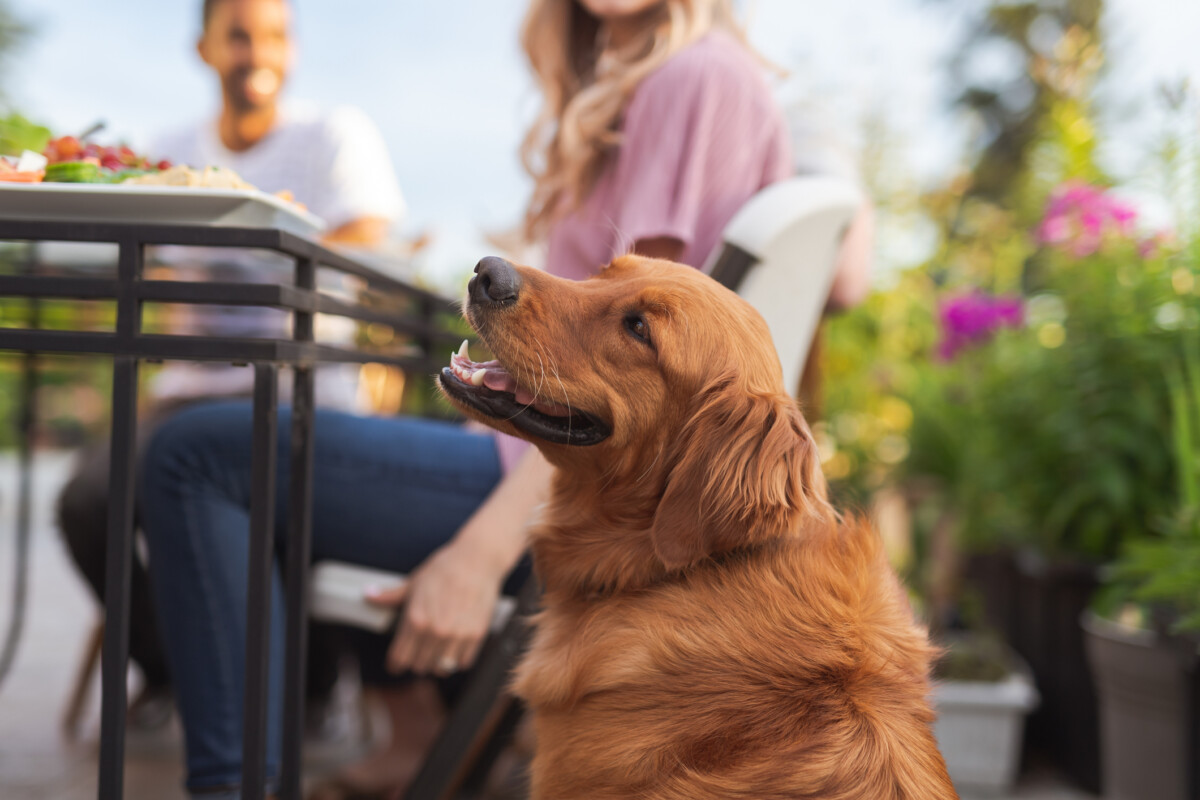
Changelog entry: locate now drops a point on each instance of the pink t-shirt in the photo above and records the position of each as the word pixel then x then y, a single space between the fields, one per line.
pixel 701 136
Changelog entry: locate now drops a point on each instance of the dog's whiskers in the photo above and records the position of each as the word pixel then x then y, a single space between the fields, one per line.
pixel 537 390
pixel 566 396
pixel 538 351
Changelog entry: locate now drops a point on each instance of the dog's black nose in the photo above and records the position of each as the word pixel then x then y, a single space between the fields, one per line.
pixel 496 282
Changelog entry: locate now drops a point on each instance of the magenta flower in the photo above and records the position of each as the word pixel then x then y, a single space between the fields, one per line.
pixel 973 318
pixel 1079 217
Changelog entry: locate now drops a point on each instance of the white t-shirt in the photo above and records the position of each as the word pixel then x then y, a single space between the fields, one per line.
pixel 337 165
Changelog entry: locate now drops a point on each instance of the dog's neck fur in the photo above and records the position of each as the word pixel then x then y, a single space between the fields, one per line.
pixel 600 543
pixel 597 548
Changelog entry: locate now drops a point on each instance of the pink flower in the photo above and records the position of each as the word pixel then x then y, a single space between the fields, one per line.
pixel 1054 230
pixel 973 318
pixel 1079 218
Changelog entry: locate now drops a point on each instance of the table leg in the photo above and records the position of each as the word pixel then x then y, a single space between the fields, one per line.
pixel 20 592
pixel 299 553
pixel 299 548
pixel 258 611
pixel 26 424
pixel 115 658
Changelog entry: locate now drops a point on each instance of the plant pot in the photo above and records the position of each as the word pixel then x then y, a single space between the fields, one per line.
pixel 979 727
pixel 1036 605
pixel 1147 711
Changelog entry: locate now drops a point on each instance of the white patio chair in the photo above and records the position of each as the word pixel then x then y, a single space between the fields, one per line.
pixel 780 252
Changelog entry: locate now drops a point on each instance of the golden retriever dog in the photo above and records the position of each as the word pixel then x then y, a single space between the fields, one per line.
pixel 710 628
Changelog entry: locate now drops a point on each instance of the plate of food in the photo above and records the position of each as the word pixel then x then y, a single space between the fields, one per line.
pixel 74 182
pixel 159 204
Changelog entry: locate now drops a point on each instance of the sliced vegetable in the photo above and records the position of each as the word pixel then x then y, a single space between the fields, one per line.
pixel 75 172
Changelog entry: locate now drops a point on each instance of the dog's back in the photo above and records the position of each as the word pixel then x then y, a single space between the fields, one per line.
pixel 791 670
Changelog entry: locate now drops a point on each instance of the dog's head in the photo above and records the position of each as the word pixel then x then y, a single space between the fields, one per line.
pixel 649 376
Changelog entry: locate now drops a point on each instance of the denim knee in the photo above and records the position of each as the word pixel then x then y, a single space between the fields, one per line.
pixel 204 442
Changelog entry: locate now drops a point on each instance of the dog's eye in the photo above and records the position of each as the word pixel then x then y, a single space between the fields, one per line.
pixel 638 327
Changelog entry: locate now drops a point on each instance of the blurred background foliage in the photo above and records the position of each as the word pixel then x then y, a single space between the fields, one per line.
pixel 1016 388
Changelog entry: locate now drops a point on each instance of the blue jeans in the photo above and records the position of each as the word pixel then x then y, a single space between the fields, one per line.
pixel 387 493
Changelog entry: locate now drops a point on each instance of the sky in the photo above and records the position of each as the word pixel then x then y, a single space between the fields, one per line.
pixel 448 86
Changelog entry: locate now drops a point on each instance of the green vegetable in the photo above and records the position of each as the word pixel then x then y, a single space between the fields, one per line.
pixel 18 134
pixel 74 172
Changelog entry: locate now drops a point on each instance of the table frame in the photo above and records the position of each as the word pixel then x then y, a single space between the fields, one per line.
pixel 128 345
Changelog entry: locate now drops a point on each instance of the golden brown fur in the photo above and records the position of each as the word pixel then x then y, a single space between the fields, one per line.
pixel 710 628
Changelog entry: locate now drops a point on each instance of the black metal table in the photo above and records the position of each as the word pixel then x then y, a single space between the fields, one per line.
pixel 127 345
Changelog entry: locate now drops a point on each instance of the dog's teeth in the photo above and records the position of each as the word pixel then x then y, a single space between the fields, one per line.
pixel 478 376
pixel 462 350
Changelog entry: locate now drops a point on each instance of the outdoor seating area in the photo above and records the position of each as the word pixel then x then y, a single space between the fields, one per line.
pixel 614 400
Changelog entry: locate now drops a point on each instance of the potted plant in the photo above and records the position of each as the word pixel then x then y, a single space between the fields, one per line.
pixel 982 693
pixel 1144 637
pixel 1146 680
pixel 1041 444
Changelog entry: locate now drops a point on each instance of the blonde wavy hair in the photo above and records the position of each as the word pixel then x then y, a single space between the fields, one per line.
pixel 586 88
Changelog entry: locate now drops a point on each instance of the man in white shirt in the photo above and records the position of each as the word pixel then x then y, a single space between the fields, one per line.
pixel 335 164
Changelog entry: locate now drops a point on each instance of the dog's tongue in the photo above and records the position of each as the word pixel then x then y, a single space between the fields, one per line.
pixel 495 377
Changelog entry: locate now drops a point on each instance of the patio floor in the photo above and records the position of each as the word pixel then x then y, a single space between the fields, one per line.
pixel 37 762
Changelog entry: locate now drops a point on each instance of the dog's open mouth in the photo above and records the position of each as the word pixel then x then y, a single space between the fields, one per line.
pixel 488 388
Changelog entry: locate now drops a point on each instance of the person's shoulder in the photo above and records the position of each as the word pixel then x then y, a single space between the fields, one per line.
pixel 334 123
pixel 713 61
pixel 348 116
pixel 337 127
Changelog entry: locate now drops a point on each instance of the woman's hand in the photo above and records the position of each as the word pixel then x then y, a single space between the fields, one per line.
pixel 449 600
pixel 448 605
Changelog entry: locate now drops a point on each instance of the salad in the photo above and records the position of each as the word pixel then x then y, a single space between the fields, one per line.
pixel 70 160
pixel 30 154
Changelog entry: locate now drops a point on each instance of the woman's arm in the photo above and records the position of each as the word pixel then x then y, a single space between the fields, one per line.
pixel 450 598
pixel 852 280
pixel 361 232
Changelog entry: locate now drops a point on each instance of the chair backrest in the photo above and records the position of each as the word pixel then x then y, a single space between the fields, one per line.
pixel 779 253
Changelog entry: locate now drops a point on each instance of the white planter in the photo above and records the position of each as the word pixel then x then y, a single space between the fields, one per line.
pixel 979 729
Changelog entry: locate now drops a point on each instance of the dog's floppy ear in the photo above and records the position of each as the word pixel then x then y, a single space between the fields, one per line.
pixel 745 469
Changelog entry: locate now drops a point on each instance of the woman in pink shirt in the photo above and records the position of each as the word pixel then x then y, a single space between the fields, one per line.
pixel 658 125
pixel 671 130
